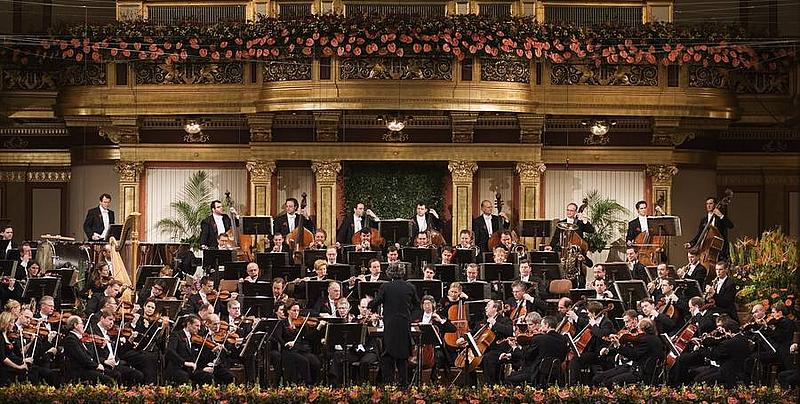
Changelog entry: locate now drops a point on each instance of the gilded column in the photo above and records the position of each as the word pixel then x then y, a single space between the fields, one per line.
pixel 129 191
pixel 661 184
pixel 461 172
pixel 325 172
pixel 530 181
pixel 260 186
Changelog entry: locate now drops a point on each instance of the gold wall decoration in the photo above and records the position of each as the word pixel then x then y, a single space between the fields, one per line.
pixel 287 70
pixel 670 131
pixel 505 70
pixel 261 172
pixel 661 173
pixel 12 176
pixel 530 171
pixel 462 172
pixel 531 127
pixel 326 173
pixel 261 169
pixel 661 184
pixel 260 127
pixel 129 171
pixel 396 69
pixel 49 176
pixel 26 79
pixel 326 170
pixel 707 77
pixel 121 134
pixel 84 74
pixel 758 82
pixel 326 126
pixel 604 75
pixel 15 142
pixel 189 73
pixel 530 180
pixel 463 126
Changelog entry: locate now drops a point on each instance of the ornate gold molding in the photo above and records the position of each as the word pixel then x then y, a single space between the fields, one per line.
pixel 530 171
pixel 463 126
pixel 661 173
pixel 326 126
pixel 49 176
pixel 13 176
pixel 462 170
pixel 261 170
pixel 260 127
pixel 670 132
pixel 531 127
pixel 326 170
pixel 121 134
pixel 129 171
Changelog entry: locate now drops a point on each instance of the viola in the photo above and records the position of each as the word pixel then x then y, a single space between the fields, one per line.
pixel 625 336
pixel 312 321
pixel 57 317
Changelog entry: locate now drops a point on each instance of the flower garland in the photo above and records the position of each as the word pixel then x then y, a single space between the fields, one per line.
pixel 389 394
pixel 457 36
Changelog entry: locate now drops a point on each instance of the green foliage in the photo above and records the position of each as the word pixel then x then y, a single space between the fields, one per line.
pixel 608 218
pixel 393 189
pixel 191 208
pixel 765 269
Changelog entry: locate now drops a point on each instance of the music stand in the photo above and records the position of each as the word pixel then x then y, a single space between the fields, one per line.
pixel 546 272
pixel 448 273
pixel 269 260
pixel 535 227
pixel 476 310
pixel 345 335
pixel 664 225
pixel 114 230
pixel 544 257
pixel 504 289
pixel 616 310
pixel 478 290
pixel 216 258
pixel 168 307
pixel 168 284
pixel 423 287
pixel 617 271
pixel 395 230
pixel 340 272
pixel 259 288
pixel 257 225
pixel 631 292
pixel 581 294
pixel 288 273
pixel 259 306
pixel 8 268
pixel 428 335
pixel 314 290
pixel 311 255
pixel 66 291
pixel 497 272
pixel 368 288
pixel 234 270
pixel 35 288
pixel 13 254
pixel 690 287
pixel 360 259
pixel 146 271
pixel 464 256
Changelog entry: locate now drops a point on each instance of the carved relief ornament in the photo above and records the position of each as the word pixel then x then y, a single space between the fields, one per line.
pixel 326 170
pixel 462 170
pixel 261 169
pixel 662 173
pixel 530 171
pixel 129 171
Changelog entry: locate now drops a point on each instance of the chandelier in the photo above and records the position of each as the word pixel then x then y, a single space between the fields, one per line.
pixel 395 125
pixel 194 131
pixel 598 130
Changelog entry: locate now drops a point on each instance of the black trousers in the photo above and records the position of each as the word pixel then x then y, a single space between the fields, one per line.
pixel 300 367
pixel 394 370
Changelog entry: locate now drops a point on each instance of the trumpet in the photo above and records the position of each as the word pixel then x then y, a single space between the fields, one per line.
pixel 682 271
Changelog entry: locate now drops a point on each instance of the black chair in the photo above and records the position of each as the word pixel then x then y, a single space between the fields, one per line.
pixel 549 372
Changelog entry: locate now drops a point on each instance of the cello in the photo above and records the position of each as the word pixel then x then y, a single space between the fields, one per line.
pixel 300 237
pixel 467 359
pixel 710 242
pixel 458 315
pixel 650 246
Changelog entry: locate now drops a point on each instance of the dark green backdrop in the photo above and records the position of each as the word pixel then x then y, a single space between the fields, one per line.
pixel 394 188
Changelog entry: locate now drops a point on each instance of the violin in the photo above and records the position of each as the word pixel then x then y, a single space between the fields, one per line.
pixel 218 295
pixel 224 337
pixel 625 336
pixel 204 341
pixel 58 317
pixel 93 339
pixel 312 321
pixel 126 331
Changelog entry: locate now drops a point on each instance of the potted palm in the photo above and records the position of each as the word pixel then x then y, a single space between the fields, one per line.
pixel 190 209
pixel 609 219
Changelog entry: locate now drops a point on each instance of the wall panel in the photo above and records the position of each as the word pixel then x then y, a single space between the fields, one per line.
pixel 496 180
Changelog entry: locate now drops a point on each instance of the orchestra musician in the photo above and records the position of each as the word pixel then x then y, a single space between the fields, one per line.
pixel 443 325
pixel 297 335
pixel 253 273
pixel 81 363
pixel 215 224
pixel 99 220
pixel 654 286
pixel 422 240
pixel 465 239
pixel 156 292
pixel 723 291
pixel 638 270
pixel 537 357
pixel 601 289
pixel 637 225
pixel 670 296
pixel 729 354
pixel 331 255
pixel 13 367
pixel 644 352
pixel 325 305
pixel 663 323
pixel 500 254
pixel 392 255
pixel 522 299
pixel 446 256
pixel 471 273
pixel 6 240
pixel 601 326
pixel 360 219
pixel 486 224
pixel 429 272
pixel 719 220
pixel 693 355
pixel 399 299
pixel 110 352
pixel 506 241
pixel 182 355
pixel 366 241
pixel 693 270
pixel 290 218
pixel 113 289
pixel 25 261
pixel 502 328
pixel 572 218
pixel 320 235
pixel 278 291
pixel 279 244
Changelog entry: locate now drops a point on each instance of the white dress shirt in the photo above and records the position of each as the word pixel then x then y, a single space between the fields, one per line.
pixel 220 224
pixel 290 219
pixel 643 223
pixel 357 223
pixel 422 223
pixel 488 220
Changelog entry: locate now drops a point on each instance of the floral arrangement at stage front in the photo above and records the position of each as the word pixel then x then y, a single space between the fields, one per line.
pixel 390 394
pixel 765 269
pixel 456 36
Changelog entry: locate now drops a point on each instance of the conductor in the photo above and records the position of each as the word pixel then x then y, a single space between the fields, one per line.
pixel 398 298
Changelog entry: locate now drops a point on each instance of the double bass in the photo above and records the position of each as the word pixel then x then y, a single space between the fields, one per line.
pixel 711 242
pixel 300 237
pixel 375 235
pixel 494 239
pixel 242 243
pixel 650 246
